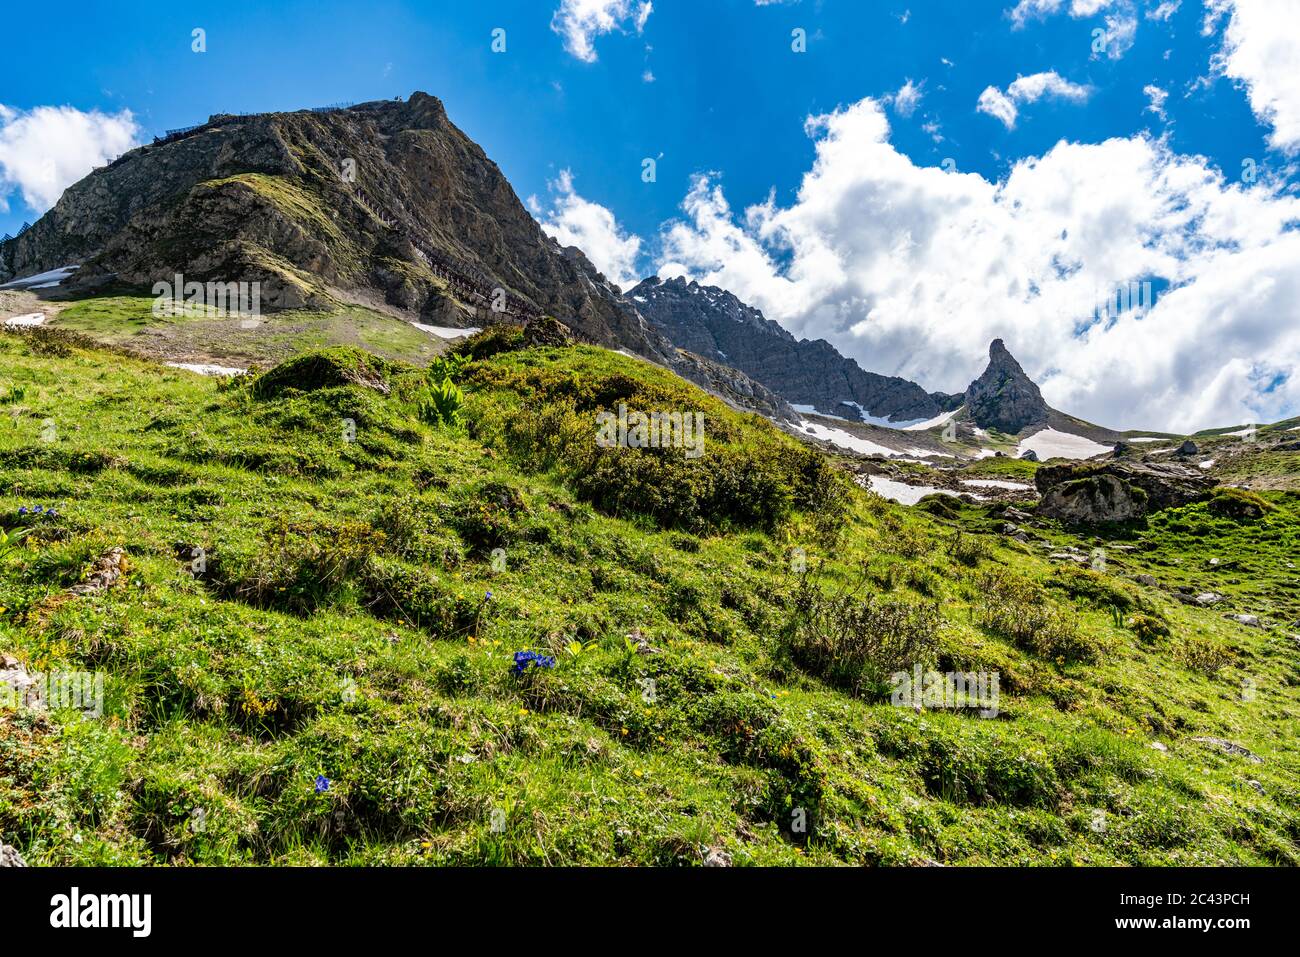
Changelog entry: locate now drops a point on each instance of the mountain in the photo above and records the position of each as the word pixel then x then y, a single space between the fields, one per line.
pixel 386 205
pixel 1003 397
pixel 712 322
pixel 384 199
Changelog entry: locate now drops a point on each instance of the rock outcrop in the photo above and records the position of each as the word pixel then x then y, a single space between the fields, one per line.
pixel 1004 397
pixel 1116 490
pixel 384 201
pixel 713 323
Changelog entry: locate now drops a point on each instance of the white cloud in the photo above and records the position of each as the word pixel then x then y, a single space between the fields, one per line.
pixel 1157 97
pixel 575 221
pixel 913 270
pixel 907 98
pixel 45 150
pixel 1026 10
pixel 1261 48
pixel 1166 10
pixel 1028 89
pixel 1121 32
pixel 579 22
pixel 1121 18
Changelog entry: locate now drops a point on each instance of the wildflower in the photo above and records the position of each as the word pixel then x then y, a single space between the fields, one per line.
pixel 22 510
pixel 322 784
pixel 525 659
pixel 488 595
pixel 637 773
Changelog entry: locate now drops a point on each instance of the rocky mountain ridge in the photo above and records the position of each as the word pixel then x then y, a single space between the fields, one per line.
pixel 713 322
pixel 383 202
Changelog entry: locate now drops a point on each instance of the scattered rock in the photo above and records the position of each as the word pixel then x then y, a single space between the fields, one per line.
pixel 717 857
pixel 17 685
pixel 1157 746
pixel 106 572
pixel 9 857
pixel 1030 456
pixel 643 647
pixel 1228 747
pixel 1250 621
pixel 1148 580
pixel 1207 598
pixel 1256 785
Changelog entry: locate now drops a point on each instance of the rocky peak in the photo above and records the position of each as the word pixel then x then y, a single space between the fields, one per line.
pixel 1004 397
pixel 714 323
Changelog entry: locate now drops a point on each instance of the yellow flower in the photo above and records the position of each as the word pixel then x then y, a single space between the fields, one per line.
pixel 625 731
pixel 523 710
pixel 637 773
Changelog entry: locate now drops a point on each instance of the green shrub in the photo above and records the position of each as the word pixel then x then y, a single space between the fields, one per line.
pixel 1148 628
pixel 1020 610
pixel 1204 655
pixel 966 548
pixel 441 403
pixel 858 643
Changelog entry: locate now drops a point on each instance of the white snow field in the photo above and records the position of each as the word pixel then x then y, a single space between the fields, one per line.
pixel 45 280
pixel 1050 443
pixel 206 368
pixel 447 332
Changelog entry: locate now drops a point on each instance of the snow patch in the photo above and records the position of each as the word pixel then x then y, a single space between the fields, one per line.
pixel 933 423
pixel 1146 438
pixel 1050 443
pixel 206 368
pixel 44 280
pixel 31 319
pixel 998 483
pixel 846 440
pixel 906 494
pixel 447 332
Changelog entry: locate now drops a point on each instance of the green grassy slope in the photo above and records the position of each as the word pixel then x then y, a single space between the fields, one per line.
pixel 723 630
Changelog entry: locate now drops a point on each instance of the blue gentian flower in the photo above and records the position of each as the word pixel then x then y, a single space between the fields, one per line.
pixel 525 658
pixel 322 783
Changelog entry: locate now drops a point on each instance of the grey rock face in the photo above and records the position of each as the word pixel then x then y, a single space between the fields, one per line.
pixel 266 199
pixel 1003 397
pixel 1116 491
pixel 715 324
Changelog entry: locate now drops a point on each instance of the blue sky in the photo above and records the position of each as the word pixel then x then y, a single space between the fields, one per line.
pixel 713 88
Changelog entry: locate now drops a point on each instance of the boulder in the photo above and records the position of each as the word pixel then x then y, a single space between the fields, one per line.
pixel 1188 448
pixel 1030 455
pixel 1117 491
pixel 1093 500
pixel 9 857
